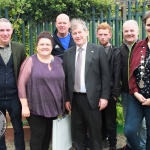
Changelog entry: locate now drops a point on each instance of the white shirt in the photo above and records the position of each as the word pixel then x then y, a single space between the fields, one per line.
pixel 82 76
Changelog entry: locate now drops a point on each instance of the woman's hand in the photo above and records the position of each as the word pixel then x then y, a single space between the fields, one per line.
pixel 25 111
pixel 25 107
pixel 140 97
pixel 68 106
pixel 147 103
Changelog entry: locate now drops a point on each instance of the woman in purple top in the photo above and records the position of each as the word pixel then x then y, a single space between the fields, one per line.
pixel 41 88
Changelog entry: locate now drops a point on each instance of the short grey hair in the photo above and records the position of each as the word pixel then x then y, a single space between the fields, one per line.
pixel 75 22
pixel 129 22
pixel 5 20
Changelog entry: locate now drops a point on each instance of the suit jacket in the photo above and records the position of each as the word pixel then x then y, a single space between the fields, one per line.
pixel 97 77
pixel 19 56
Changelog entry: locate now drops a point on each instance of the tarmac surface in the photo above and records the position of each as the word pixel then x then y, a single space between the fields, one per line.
pixel 120 143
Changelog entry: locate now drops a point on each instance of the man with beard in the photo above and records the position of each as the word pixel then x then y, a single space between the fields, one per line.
pixel 104 35
pixel 62 37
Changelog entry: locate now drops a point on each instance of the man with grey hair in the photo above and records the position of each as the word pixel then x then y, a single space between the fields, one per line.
pixel 130 35
pixel 12 54
pixel 88 86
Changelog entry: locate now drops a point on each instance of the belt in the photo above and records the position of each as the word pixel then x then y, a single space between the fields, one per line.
pixel 79 93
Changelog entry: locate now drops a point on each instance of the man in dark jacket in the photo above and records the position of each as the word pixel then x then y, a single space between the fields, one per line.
pixel 62 39
pixel 12 54
pixel 130 36
pixel 104 35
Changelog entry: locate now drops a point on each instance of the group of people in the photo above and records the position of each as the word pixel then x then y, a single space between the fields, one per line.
pixel 68 72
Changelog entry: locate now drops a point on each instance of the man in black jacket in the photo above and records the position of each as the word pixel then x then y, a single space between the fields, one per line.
pixel 104 35
pixel 130 36
pixel 62 39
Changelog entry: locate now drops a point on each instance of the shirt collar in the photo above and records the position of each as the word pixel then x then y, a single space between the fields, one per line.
pixel 130 46
pixel 84 46
pixel 7 46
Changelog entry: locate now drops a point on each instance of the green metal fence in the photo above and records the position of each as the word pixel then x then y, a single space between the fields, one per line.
pixel 29 30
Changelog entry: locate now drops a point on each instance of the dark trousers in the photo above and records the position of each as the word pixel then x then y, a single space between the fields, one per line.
pixel 13 107
pixel 109 122
pixel 41 131
pixel 83 118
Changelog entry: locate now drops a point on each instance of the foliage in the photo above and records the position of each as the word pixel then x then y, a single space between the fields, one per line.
pixel 22 12
pixel 120 117
pixel 49 9
pixel 29 12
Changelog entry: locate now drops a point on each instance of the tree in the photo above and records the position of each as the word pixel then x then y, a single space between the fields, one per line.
pixel 49 9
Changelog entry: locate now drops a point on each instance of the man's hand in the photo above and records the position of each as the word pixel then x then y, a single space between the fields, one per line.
pixel 102 103
pixel 68 106
pixel 115 98
pixel 140 97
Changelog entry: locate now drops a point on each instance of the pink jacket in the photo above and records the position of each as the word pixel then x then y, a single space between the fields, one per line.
pixel 139 49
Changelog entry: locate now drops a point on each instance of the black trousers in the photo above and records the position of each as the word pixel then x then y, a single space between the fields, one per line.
pixel 83 118
pixel 109 122
pixel 41 131
pixel 13 107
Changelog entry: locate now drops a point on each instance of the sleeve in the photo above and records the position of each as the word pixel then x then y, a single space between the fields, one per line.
pixel 65 71
pixel 133 87
pixel 105 74
pixel 24 75
pixel 23 56
pixel 132 82
pixel 117 73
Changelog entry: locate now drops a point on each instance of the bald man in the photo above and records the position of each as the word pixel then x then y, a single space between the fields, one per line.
pixel 62 37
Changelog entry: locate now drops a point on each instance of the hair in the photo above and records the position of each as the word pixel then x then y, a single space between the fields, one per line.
pixel 44 34
pixel 5 20
pixel 104 26
pixel 63 15
pixel 146 16
pixel 75 22
pixel 129 22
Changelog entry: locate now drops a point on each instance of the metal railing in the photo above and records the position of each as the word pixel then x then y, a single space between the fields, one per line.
pixel 28 31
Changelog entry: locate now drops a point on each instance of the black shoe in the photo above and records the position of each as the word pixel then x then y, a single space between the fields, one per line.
pixel 112 148
pixel 88 142
pixel 105 143
pixel 126 147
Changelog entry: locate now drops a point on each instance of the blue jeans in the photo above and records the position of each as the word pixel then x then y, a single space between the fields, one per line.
pixel 134 116
pixel 13 107
pixel 142 130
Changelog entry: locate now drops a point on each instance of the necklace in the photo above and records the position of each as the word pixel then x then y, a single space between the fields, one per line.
pixel 142 72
